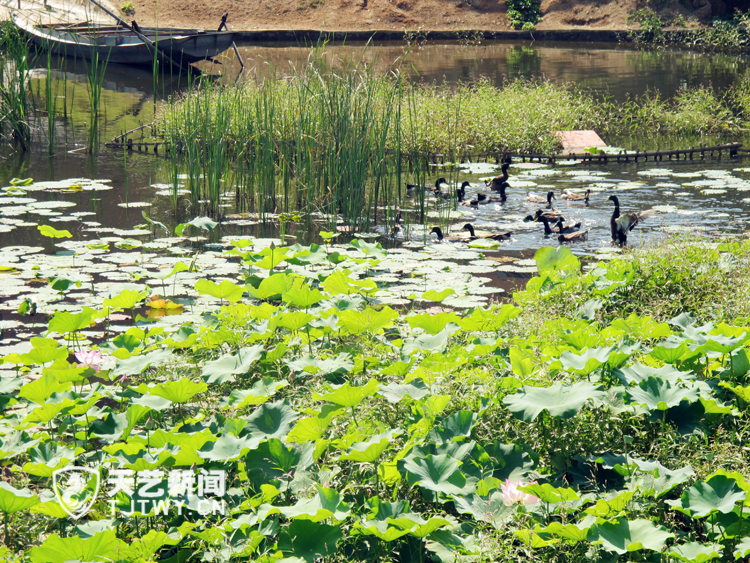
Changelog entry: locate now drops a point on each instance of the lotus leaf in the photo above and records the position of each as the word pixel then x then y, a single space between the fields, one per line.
pixel 273 287
pixel 310 540
pixel 561 401
pixel 64 322
pixel 695 552
pixel 227 366
pixel 571 532
pixel 273 461
pixel 560 259
pixel 175 391
pixel 225 290
pixel 51 232
pixel 100 547
pixel 257 394
pixel 136 364
pixel 14 500
pixel 661 395
pixel 438 473
pixel 270 420
pixel 349 396
pixel 370 320
pixel 370 450
pixel 718 494
pixel 39 390
pixel 623 535
pixel 742 549
pixel 432 324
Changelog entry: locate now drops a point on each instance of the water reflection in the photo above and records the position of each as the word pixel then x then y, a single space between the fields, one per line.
pixel 603 68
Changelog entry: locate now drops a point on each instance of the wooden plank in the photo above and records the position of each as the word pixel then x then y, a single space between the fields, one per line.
pixel 579 140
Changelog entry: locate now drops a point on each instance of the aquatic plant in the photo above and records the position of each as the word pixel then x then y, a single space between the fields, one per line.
pixel 321 424
pixel 14 85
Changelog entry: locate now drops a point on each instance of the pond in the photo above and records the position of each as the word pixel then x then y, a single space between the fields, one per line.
pixel 689 196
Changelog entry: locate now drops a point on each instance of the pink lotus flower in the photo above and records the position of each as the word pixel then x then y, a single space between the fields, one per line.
pixel 90 358
pixel 512 495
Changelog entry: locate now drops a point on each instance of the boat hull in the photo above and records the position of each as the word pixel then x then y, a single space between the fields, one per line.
pixel 183 46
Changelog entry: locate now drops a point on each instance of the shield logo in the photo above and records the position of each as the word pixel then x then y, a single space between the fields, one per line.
pixel 76 489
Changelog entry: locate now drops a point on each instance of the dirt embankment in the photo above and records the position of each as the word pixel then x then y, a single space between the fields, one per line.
pixel 407 15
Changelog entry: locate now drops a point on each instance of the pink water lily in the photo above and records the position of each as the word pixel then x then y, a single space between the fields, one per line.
pixel 512 495
pixel 90 358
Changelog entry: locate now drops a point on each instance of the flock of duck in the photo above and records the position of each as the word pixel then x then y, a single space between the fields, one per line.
pixel 552 219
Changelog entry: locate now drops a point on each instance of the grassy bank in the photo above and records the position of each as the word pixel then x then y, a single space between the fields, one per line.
pixel 353 431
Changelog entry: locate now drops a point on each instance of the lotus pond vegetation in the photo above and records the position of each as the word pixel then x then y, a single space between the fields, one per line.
pixel 599 415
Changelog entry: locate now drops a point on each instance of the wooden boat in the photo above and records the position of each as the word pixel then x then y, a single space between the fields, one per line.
pixel 125 44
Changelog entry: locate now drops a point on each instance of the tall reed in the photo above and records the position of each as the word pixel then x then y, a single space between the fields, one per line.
pixel 14 85
pixel 96 67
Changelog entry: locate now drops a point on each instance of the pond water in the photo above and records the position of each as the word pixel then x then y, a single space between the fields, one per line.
pixel 690 196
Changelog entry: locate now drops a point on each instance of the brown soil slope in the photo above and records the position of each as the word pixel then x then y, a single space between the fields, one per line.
pixel 407 15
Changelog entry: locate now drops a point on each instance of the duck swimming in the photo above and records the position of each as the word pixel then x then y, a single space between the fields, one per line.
pixel 580 236
pixel 576 197
pixel 494 236
pixel 442 238
pixel 539 199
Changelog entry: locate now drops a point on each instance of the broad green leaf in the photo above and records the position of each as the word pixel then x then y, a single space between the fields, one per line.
pixel 64 322
pixel 623 535
pixel 549 259
pixel 549 494
pixel 370 320
pixel 45 350
pixel 127 299
pixel 227 366
pixel 349 396
pixel 641 327
pixel 612 507
pixel 14 500
pixel 272 461
pixel 523 362
pixel 491 509
pixel 742 549
pixel 51 232
pixel 572 532
pixel 302 297
pixel 39 390
pixel 268 258
pixel 695 552
pixel 273 286
pixel 313 428
pixel 176 391
pixel 661 395
pixel 669 352
pixel 309 540
pixel 225 290
pixel 437 296
pixel 136 364
pixel 561 401
pixel 271 420
pixel 432 324
pixel 100 547
pixel 438 473
pixel 259 393
pixel 718 494
pixel 370 450
pixel 340 283
pixel 585 363
pixel 295 320
pixel 201 222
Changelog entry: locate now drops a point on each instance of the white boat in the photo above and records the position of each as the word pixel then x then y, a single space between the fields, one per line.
pixel 123 44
